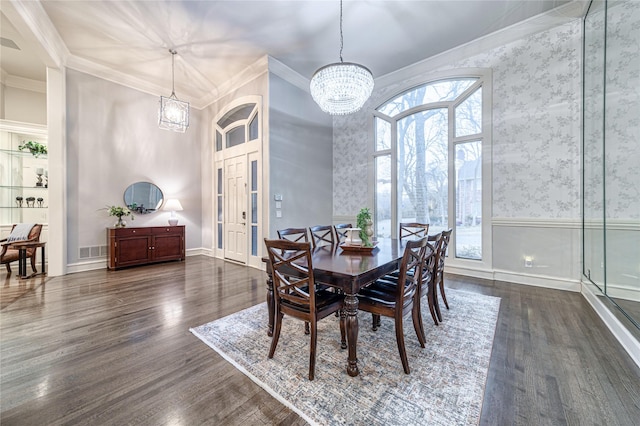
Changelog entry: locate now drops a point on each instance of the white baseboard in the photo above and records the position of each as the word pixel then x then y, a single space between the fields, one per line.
pixel 538 280
pixel 623 292
pixel 517 278
pixel 199 251
pixel 101 263
pixel 91 265
pixel 626 339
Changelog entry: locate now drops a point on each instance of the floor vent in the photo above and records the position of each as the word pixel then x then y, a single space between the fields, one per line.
pixel 92 252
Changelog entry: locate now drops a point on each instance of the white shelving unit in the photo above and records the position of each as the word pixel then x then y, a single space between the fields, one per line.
pixel 19 175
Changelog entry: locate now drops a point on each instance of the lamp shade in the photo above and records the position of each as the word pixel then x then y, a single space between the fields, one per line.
pixel 173 114
pixel 173 204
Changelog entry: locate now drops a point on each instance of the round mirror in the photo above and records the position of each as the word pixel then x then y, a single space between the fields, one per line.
pixel 143 198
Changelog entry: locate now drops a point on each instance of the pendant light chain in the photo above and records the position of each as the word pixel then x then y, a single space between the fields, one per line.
pixel 341 36
pixel 173 71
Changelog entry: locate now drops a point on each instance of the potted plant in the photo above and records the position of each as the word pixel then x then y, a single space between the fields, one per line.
pixel 120 212
pixel 365 224
pixel 34 147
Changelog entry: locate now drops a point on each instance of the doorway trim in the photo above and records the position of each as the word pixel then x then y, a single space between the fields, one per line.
pixel 222 124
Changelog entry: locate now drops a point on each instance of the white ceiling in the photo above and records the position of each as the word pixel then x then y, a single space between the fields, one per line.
pixel 217 40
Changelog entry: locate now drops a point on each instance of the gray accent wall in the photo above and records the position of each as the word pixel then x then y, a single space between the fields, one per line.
pixel 300 158
pixel 113 140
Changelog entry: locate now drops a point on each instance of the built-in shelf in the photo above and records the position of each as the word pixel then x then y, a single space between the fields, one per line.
pixel 22 174
pixel 25 153
pixel 23 187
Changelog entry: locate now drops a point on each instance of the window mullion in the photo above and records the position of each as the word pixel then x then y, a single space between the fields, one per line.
pixel 394 178
pixel 452 178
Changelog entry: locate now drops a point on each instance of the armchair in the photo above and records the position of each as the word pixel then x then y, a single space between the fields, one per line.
pixel 8 255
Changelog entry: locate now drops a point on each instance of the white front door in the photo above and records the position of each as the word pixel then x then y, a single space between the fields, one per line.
pixel 235 209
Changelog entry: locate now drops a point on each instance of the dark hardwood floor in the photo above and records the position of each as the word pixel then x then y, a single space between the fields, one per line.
pixel 114 347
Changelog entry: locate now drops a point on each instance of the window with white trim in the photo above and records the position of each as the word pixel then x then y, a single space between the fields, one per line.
pixel 428 161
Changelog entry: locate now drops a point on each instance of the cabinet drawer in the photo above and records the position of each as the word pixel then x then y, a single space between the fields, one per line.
pixel 131 232
pixel 167 230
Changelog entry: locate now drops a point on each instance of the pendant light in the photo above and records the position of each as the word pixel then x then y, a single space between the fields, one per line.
pixel 342 87
pixel 173 113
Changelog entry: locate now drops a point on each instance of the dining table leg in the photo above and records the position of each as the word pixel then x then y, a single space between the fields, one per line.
pixel 351 308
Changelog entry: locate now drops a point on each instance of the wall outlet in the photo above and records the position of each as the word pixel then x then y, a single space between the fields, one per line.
pixel 528 262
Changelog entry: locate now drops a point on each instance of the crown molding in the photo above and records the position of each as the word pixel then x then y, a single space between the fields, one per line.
pixel 23 83
pixel 21 127
pixel 248 74
pixel 288 74
pixel 88 67
pixel 542 22
pixel 37 30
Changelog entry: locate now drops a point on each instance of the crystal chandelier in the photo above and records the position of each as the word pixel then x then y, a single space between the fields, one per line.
pixel 173 113
pixel 342 87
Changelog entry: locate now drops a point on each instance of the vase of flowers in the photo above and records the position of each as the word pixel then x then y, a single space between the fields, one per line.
pixel 120 212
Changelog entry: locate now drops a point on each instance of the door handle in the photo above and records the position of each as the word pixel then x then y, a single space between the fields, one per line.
pixel 244 215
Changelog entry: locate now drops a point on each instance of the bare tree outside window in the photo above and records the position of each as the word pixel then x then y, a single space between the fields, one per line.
pixel 422 142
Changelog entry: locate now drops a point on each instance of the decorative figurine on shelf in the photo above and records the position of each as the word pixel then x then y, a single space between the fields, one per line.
pixel 39 172
pixel 40 201
pixel 19 201
pixel 31 201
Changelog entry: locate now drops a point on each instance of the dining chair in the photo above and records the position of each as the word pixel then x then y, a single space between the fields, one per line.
pixel 395 301
pixel 341 231
pixel 413 230
pixel 442 255
pixel 427 282
pixel 322 235
pixel 297 296
pixel 293 234
pixel 429 277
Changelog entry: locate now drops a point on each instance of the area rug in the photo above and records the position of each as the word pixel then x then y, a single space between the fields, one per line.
pixel 445 387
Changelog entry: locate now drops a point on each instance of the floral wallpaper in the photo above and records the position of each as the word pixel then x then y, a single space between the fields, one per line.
pixel 622 111
pixel 536 129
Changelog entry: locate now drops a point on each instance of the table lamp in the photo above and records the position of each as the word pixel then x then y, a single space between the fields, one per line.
pixel 173 205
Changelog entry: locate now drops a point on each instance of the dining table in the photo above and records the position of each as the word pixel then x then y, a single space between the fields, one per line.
pixel 349 270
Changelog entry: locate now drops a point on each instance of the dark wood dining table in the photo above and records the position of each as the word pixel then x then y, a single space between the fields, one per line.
pixel 348 271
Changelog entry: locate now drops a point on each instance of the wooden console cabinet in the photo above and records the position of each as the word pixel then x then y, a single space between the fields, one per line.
pixel 140 246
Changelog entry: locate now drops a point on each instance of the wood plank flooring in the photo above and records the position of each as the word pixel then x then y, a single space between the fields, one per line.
pixel 113 347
